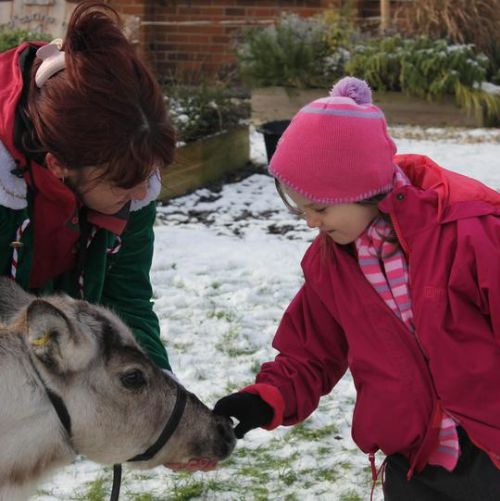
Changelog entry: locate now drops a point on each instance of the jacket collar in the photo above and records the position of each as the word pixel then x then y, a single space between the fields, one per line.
pixel 435 196
pixel 457 196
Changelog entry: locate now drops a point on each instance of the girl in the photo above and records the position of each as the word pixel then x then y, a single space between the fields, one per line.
pixel 83 134
pixel 402 286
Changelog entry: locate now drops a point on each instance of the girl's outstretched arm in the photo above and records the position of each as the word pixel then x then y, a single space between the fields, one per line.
pixel 312 356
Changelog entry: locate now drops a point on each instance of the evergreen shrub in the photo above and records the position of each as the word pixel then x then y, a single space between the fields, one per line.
pixel 426 68
pixel 201 111
pixel 12 38
pixel 296 52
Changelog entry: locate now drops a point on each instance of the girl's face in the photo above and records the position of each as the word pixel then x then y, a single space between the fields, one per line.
pixel 343 223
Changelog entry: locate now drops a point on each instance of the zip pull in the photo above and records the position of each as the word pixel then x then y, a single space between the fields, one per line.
pixel 371 457
pixel 376 474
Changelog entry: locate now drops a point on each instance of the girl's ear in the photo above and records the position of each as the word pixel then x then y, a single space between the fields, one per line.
pixel 56 167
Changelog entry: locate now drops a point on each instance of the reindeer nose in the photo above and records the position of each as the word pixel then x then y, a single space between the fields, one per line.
pixel 227 440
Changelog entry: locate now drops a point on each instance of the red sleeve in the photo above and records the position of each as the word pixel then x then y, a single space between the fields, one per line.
pixel 312 356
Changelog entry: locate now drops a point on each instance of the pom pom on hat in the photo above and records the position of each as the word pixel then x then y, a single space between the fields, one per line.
pixel 337 149
pixel 358 90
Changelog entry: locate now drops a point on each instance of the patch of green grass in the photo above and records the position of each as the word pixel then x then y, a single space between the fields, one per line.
pixel 180 347
pixel 350 496
pixel 263 465
pixel 289 477
pixel 222 486
pixel 255 367
pixel 228 338
pixel 145 497
pixel 43 492
pixel 95 491
pixel 232 387
pixel 187 490
pixel 345 465
pixel 222 315
pixel 328 474
pixel 140 474
pixel 260 493
pixel 228 344
pixel 266 460
pixel 256 472
pixel 304 432
pixel 244 452
pixel 308 484
pixel 324 451
pixel 237 352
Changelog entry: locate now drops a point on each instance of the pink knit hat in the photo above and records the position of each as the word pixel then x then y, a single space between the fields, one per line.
pixel 337 149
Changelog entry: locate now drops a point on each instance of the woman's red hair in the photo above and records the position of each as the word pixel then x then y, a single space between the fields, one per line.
pixel 105 108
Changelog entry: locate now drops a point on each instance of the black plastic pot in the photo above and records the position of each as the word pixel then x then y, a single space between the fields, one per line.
pixel 272 131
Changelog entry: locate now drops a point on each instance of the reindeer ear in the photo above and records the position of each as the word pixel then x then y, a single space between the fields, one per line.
pixel 48 331
pixel 14 298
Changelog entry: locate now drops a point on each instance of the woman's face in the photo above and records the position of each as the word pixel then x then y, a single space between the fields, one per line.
pixel 99 194
pixel 343 223
pixel 94 191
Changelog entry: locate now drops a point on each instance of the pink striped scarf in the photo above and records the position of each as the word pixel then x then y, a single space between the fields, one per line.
pixel 384 266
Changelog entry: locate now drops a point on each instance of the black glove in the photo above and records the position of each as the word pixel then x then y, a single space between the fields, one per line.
pixel 250 410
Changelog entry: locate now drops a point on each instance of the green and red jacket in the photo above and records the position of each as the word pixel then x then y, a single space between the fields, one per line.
pixel 118 280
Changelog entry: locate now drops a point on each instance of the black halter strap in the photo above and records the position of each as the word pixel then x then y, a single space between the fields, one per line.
pixel 168 431
pixel 61 409
pixel 56 401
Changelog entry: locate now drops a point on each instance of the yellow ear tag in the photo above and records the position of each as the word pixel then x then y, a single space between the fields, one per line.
pixel 42 340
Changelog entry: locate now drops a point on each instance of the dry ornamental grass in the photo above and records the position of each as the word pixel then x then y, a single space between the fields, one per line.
pixel 462 21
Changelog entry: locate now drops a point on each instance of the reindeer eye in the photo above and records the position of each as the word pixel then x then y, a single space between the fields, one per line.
pixel 133 380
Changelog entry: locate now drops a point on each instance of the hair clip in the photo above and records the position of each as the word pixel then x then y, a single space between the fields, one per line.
pixel 52 61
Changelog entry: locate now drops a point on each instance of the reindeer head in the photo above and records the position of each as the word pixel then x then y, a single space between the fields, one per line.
pixel 117 399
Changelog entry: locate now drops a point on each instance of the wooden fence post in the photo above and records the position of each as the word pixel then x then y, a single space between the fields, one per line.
pixel 385 15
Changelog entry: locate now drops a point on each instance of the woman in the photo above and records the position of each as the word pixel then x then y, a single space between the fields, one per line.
pixel 83 134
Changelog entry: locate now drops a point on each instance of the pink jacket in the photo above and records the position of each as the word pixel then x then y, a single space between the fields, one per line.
pixel 449 228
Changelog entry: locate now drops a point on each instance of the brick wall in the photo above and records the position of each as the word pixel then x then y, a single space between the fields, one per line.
pixel 186 39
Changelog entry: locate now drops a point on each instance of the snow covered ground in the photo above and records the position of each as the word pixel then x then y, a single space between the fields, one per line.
pixel 225 267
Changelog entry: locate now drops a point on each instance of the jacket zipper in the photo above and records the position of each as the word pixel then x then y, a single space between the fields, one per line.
pixel 406 249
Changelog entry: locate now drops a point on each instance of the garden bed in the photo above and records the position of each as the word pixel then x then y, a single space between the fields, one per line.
pixel 205 161
pixel 278 103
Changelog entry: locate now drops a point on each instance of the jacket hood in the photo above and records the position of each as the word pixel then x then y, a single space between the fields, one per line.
pixel 13 63
pixel 450 187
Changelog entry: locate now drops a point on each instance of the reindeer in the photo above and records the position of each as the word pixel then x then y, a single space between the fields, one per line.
pixel 73 380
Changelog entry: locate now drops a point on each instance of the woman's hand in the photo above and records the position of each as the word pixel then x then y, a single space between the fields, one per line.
pixel 250 410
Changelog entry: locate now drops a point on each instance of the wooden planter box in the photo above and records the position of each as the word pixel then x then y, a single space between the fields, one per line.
pixel 278 103
pixel 205 161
